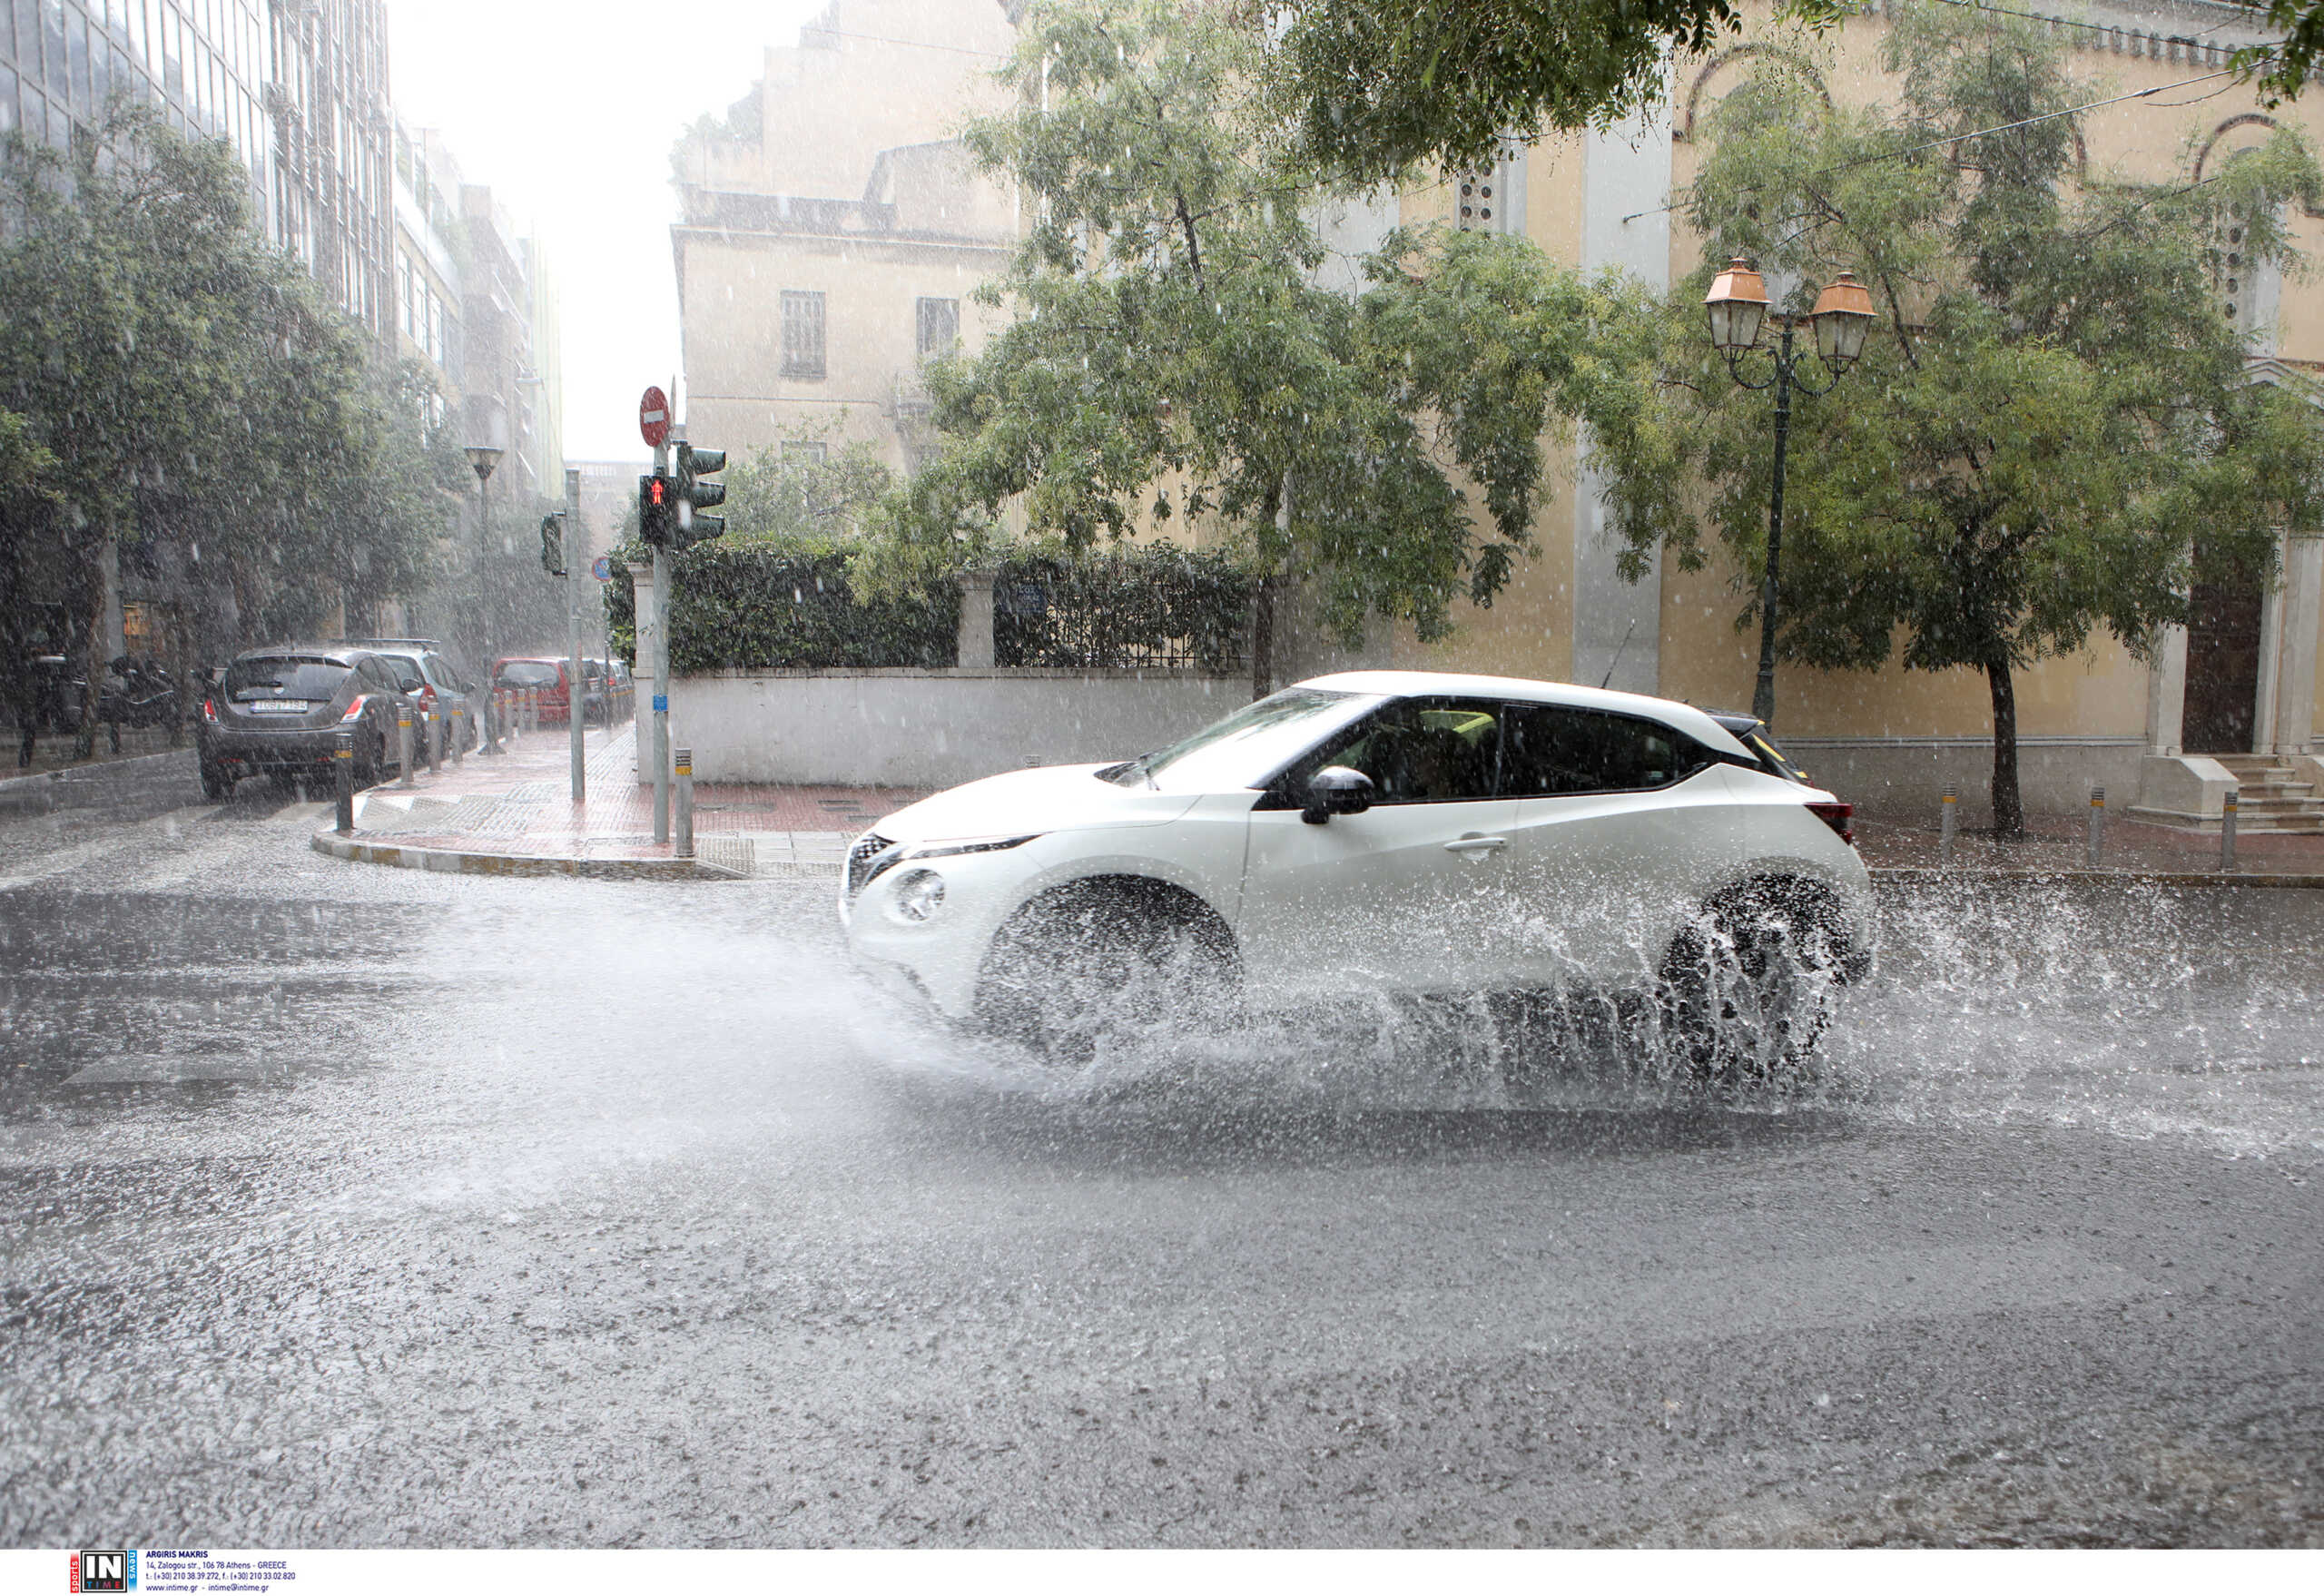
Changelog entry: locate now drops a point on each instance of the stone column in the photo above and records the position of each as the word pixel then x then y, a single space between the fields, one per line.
pixel 2303 597
pixel 2166 693
pixel 2271 642
pixel 976 621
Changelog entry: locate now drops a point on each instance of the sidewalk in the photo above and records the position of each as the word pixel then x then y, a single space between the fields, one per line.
pixel 513 815
pixel 2058 845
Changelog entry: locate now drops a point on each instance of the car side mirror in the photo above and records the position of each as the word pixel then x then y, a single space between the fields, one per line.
pixel 1337 789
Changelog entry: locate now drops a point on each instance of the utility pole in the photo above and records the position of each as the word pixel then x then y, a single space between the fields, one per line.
pixel 575 696
pixel 661 670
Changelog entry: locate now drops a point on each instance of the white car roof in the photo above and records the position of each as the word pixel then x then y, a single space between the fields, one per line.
pixel 1684 717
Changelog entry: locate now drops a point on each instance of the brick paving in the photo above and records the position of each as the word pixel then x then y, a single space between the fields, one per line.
pixel 2058 842
pixel 519 806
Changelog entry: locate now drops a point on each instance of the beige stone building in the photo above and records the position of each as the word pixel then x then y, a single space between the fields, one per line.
pixel 2233 696
pixel 829 210
pixel 832 231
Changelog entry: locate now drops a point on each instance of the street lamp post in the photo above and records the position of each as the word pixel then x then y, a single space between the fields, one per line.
pixel 1736 305
pixel 484 456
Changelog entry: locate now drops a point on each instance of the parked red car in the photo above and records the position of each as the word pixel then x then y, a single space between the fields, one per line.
pixel 538 671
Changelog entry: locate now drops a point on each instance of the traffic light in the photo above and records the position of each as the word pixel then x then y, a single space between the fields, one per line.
pixel 695 495
pixel 657 512
pixel 553 544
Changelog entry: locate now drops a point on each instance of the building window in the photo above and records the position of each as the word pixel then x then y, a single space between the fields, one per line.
pixel 801 452
pixel 939 327
pixel 803 334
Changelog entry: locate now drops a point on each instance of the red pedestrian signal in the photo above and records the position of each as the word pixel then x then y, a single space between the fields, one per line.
pixel 658 511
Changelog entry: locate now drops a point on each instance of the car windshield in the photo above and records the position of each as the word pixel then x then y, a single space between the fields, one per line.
pixel 283 677
pixel 1247 747
pixel 529 673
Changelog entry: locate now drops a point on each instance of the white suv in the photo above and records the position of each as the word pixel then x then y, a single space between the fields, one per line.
pixel 1385 831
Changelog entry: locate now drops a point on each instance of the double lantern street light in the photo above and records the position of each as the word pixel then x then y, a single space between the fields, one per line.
pixel 1738 305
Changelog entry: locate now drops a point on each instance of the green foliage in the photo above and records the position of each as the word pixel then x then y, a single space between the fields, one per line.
pixel 771 496
pixel 1157 606
pixel 770 605
pixel 2050 418
pixel 1375 87
pixel 189 384
pixel 25 461
pixel 1174 360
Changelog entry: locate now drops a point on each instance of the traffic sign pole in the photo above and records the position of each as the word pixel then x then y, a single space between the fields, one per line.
pixel 575 684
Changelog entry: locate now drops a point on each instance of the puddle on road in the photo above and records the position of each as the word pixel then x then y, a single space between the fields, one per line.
pixel 2139 1013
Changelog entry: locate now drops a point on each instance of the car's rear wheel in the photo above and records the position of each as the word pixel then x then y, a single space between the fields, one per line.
pixel 1747 986
pixel 217 782
pixel 1101 966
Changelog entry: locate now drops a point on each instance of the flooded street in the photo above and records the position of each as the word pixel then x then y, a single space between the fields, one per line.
pixel 360 1206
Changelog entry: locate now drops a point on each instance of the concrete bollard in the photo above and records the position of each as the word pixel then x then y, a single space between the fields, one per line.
pixel 435 743
pixel 532 709
pixel 1945 828
pixel 342 760
pixel 683 848
pixel 403 744
pixel 2227 828
pixel 2096 849
pixel 459 734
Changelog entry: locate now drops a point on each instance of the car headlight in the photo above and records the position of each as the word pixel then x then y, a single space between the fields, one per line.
pixel 920 894
pixel 958 845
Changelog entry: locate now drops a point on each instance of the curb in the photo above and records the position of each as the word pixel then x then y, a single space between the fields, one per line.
pixel 1930 875
pixel 464 862
pixel 458 861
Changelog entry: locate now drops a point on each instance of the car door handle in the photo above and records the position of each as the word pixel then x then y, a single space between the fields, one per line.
pixel 1474 843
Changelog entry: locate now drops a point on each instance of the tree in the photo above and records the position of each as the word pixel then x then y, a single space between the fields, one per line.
pixel 2051 423
pixel 824 492
pixel 192 389
pixel 1173 359
pixel 1374 88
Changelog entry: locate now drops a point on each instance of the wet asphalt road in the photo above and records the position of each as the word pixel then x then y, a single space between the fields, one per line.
pixel 342 1205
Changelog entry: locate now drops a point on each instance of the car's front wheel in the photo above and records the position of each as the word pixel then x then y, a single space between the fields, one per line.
pixel 1099 966
pixel 1748 984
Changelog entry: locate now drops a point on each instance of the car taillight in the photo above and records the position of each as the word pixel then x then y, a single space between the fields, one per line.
pixel 209 710
pixel 1838 816
pixel 355 710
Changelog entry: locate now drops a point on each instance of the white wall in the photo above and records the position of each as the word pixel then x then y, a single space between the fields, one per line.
pixel 931 728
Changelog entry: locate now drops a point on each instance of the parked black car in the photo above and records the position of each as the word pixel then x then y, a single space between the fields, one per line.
pixel 279 711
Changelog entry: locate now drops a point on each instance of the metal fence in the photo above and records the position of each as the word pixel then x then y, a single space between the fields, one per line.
pixel 1153 608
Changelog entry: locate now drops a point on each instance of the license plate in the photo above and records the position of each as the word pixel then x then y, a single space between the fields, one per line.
pixel 278 707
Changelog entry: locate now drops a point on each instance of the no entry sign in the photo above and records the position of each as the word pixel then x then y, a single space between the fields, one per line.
pixel 654 418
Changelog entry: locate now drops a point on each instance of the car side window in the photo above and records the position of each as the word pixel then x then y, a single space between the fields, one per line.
pixel 1553 750
pixel 1417 750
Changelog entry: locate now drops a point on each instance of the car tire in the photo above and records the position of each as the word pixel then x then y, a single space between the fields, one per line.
pixel 217 782
pixel 370 761
pixel 1747 986
pixel 1099 967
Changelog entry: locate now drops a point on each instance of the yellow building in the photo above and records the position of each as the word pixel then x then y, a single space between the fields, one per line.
pixel 832 234
pixel 831 230
pixel 2244 683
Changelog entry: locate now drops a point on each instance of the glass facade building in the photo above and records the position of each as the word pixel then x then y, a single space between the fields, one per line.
pixel 298 87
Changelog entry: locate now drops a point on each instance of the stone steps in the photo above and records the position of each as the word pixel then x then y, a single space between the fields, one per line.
pixel 2271 800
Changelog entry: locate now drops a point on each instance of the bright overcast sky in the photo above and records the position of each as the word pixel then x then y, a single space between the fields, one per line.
pixel 567 110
